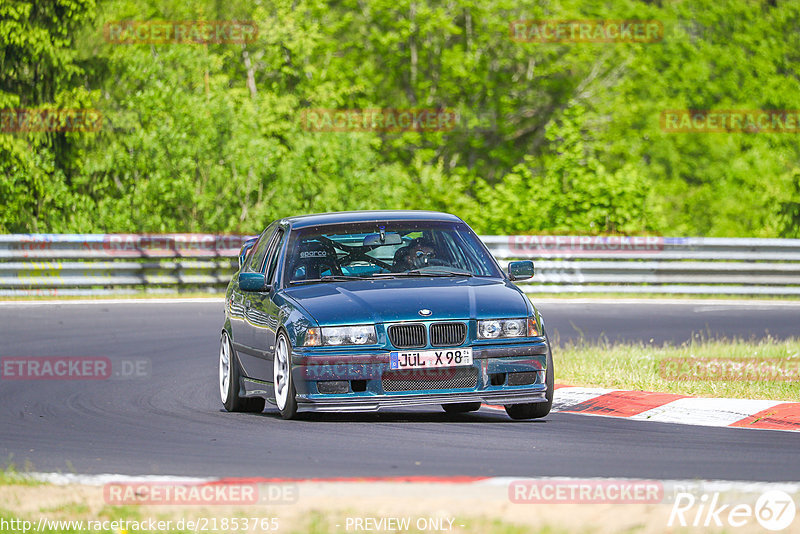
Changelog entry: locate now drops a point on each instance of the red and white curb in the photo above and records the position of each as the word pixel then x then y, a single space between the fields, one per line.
pixel 674 408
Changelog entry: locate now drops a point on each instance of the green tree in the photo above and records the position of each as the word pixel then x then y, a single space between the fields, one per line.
pixel 40 172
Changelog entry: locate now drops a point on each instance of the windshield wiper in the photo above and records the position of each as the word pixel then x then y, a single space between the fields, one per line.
pixel 444 272
pixel 330 278
pixel 417 272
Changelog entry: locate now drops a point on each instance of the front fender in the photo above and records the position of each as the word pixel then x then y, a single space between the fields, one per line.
pixel 294 320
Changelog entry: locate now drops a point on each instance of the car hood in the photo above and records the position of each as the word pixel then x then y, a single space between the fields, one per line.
pixel 375 301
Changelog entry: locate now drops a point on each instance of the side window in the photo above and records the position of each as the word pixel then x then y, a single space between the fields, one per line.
pixel 274 252
pixel 256 256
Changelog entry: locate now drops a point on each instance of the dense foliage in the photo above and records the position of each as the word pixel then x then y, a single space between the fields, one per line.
pixel 551 138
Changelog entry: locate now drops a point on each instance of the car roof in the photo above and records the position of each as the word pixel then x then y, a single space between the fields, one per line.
pixel 317 219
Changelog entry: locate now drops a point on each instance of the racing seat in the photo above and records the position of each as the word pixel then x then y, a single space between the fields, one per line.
pixel 314 260
pixel 400 258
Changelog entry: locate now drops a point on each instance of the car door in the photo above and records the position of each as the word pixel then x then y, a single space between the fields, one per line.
pixel 236 310
pixel 271 308
pixel 241 315
pixel 261 315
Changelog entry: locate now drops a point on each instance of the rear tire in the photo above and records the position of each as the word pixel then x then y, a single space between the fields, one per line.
pixel 537 410
pixel 461 407
pixel 229 375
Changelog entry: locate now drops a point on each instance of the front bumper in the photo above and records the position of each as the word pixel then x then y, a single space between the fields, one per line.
pixel 493 366
pixel 376 402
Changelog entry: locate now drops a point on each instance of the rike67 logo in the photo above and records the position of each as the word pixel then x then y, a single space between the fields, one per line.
pixel 774 510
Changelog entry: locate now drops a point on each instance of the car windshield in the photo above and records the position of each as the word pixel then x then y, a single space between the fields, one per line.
pixel 387 249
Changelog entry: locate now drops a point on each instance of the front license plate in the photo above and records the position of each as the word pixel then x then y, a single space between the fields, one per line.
pixel 428 359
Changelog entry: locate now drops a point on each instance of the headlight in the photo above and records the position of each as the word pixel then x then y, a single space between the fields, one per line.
pixel 341 335
pixel 498 328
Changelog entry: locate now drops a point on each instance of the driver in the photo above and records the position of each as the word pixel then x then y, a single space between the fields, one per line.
pixel 416 255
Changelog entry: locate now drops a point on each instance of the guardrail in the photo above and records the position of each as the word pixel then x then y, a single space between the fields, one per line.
pixel 97 264
pixel 91 264
pixel 667 265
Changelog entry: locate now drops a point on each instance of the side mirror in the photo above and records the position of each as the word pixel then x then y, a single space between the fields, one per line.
pixel 253 282
pixel 520 270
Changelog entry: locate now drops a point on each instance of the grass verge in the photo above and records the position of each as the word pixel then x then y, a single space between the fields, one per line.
pixel 321 508
pixel 756 369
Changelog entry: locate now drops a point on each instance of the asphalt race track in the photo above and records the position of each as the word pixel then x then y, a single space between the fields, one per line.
pixel 171 421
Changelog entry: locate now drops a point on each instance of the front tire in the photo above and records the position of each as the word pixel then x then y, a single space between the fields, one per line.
pixel 461 407
pixel 537 410
pixel 285 394
pixel 229 374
